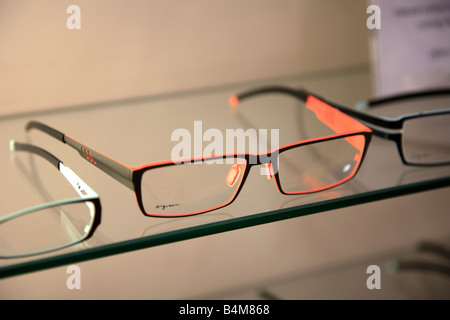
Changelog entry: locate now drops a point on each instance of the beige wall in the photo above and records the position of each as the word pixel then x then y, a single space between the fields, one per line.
pixel 137 47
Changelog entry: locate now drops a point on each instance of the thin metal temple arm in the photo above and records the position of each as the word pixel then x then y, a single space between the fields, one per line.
pixel 17 146
pixel 399 97
pixel 299 94
pixel 112 167
pixel 77 183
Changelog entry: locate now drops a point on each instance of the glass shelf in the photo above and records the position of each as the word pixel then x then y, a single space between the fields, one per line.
pixel 138 131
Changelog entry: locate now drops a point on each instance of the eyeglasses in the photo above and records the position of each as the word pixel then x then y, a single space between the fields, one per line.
pixel 422 138
pixel 197 185
pixel 53 225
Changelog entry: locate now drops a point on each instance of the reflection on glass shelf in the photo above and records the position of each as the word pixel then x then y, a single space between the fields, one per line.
pixel 140 131
pixel 419 271
pixel 182 223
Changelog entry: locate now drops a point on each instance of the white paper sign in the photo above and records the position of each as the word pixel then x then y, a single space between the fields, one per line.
pixel 412 46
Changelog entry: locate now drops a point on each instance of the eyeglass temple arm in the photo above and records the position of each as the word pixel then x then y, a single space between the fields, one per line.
pixel 303 95
pixel 371 103
pixel 112 167
pixel 336 120
pixel 81 187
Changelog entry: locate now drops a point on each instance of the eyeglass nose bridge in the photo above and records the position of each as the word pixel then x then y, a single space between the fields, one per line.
pixel 235 172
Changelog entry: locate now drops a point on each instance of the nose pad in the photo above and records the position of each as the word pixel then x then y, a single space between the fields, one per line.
pixel 233 174
pixel 269 170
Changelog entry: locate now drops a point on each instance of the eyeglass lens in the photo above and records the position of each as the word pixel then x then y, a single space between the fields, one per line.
pixel 318 166
pixel 426 140
pixel 46 229
pixel 190 188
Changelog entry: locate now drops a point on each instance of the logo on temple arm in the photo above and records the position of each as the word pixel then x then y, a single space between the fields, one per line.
pixel 87 154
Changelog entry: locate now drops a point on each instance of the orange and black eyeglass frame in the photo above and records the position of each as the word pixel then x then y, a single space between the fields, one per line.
pixel 387 128
pixel 346 129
